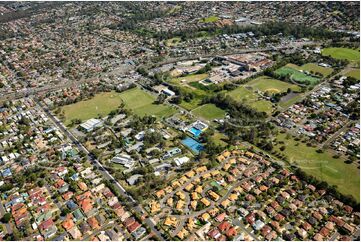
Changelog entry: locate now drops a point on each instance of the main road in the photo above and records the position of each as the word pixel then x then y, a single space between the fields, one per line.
pixel 129 199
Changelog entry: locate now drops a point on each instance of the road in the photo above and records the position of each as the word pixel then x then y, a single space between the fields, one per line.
pixel 337 133
pixel 104 172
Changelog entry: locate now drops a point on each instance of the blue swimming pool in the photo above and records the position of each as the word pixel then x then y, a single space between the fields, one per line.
pixel 195 132
pixel 195 146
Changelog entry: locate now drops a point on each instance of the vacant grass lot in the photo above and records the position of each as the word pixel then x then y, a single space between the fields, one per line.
pixel 250 98
pixel 103 103
pixel 210 19
pixel 209 112
pixel 312 67
pixel 322 166
pixel 172 42
pixel 268 84
pixel 297 76
pixel 342 54
pixel 354 74
pixel 286 102
pixel 218 138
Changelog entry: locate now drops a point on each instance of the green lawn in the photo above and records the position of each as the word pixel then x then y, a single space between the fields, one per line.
pixel 210 19
pixel 312 67
pixel 323 166
pixel 265 83
pixel 297 75
pixel 186 86
pixel 342 53
pixel 103 103
pixel 141 103
pixel 354 74
pixel 250 98
pixel 218 138
pixel 209 112
pixel 194 103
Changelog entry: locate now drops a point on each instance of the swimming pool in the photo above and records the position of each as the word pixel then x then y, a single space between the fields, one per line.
pixel 195 146
pixel 195 132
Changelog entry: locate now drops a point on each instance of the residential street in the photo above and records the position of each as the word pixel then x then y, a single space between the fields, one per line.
pixel 130 201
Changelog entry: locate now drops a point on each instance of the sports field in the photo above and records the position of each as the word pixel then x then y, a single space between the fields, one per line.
pixel 268 84
pixel 250 98
pixel 322 166
pixel 297 76
pixel 209 112
pixel 354 74
pixel 103 103
pixel 141 103
pixel 312 67
pixel 342 54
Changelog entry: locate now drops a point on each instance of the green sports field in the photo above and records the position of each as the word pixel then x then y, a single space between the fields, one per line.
pixel 322 166
pixel 342 54
pixel 209 112
pixel 103 103
pixel 354 74
pixel 250 98
pixel 141 103
pixel 297 76
pixel 268 84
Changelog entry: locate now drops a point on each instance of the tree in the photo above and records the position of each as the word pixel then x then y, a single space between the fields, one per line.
pixel 41 183
pixel 6 218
